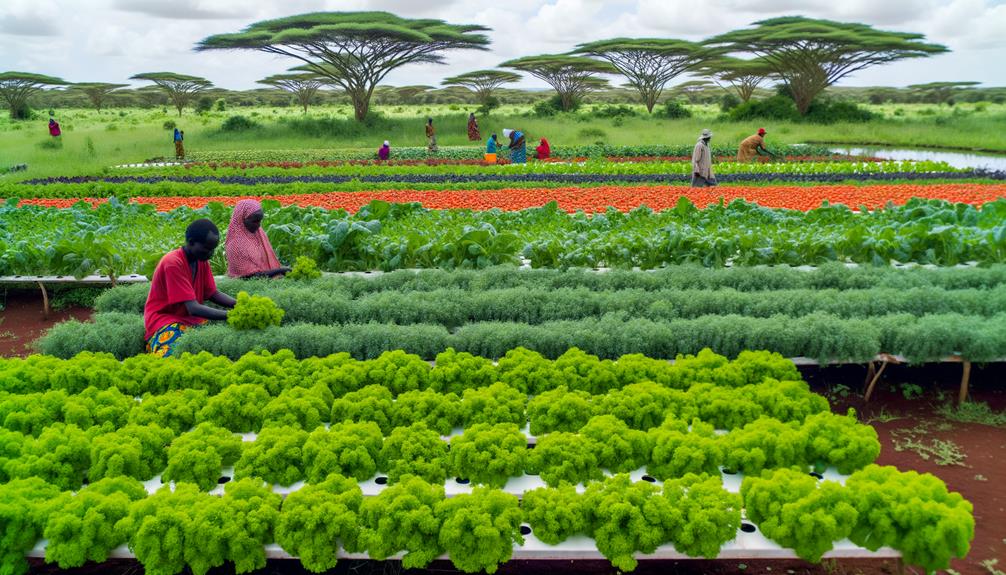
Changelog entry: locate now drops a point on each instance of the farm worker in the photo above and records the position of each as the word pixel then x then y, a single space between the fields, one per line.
pixel 179 145
pixel 491 146
pixel 384 152
pixel 54 128
pixel 702 162
pixel 473 128
pixel 518 147
pixel 249 253
pixel 543 151
pixel 182 281
pixel 753 146
pixel 431 136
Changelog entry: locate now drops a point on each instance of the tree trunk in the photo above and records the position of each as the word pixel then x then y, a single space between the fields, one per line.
pixel 361 105
pixel 567 101
pixel 649 99
pixel 802 101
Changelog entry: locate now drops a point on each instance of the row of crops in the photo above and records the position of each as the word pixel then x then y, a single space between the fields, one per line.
pixel 368 450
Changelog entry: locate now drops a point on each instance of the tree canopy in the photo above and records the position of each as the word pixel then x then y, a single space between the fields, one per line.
pixel 648 63
pixel 354 50
pixel 17 87
pixel 571 76
pixel 483 82
pixel 97 92
pixel 743 76
pixel 810 55
pixel 179 88
pixel 941 92
pixel 303 85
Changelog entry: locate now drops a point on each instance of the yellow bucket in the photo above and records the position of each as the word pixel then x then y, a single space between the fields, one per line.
pixel 490 158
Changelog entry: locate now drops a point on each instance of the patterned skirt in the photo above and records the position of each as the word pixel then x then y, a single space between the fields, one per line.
pixel 165 339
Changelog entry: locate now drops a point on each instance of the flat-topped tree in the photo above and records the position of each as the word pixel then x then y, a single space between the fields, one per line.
pixel 483 83
pixel 941 92
pixel 572 77
pixel 179 88
pixel 648 63
pixel 355 50
pixel 743 76
pixel 810 55
pixel 17 87
pixel 303 85
pixel 97 92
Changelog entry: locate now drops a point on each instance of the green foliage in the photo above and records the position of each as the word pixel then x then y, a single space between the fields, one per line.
pixel 175 410
pixel 498 403
pixel 678 451
pixel 455 372
pixel 645 405
pixel 301 407
pixel 397 370
pixel 81 528
pixel 707 515
pixel 674 110
pixel 554 513
pixel 108 408
pixel 254 312
pixel 404 517
pixel 840 441
pixel 911 512
pixel 414 450
pixel 137 451
pixel 276 456
pixel 441 412
pixel 317 519
pixel 559 410
pixel 765 443
pixel 618 448
pixel 11 443
pixel 199 456
pixel 488 454
pixel 239 408
pixel 372 403
pixel 797 511
pixel 31 413
pixel 157 528
pixel 348 449
pixel 60 455
pixel 238 124
pixel 625 518
pixel 528 371
pixel 304 268
pixel 480 529
pixel 24 504
pixel 562 457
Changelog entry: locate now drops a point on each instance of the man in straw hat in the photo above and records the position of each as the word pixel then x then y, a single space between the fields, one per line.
pixel 702 162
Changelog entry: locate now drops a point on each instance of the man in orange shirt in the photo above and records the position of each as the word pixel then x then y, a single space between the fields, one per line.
pixel 753 146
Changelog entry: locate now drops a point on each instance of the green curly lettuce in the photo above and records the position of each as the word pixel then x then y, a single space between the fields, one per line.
pixel 414 450
pixel 273 371
pixel 636 368
pixel 239 408
pixel 480 529
pixel 304 268
pixel 24 506
pixel 840 440
pixel 678 451
pixel 488 454
pixel 306 408
pixel 254 312
pixel 106 408
pixel 646 405
pixel 559 410
pixel 157 527
pixel 316 520
pixel 797 511
pixel 137 451
pixel 709 515
pixel 498 403
pixel 562 457
pixel 175 410
pixel 439 411
pixel 625 517
pixel 765 444
pixel 81 528
pixel 555 513
pixel 276 456
pixel 911 512
pixel 396 370
pixel 580 371
pixel 233 528
pixel 757 366
pixel 724 407
pixel 618 447
pixel 371 403
pixel 61 455
pixel 200 455
pixel 403 518
pixel 455 372
pixel 528 371
pixel 31 413
pixel 790 400
pixel 348 449
pixel 11 444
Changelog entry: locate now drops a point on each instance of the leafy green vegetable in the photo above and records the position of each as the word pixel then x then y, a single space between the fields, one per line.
pixel 316 520
pixel 348 449
pixel 645 405
pixel 840 441
pixel 765 444
pixel 403 517
pixel 372 403
pixel 138 451
pixel 61 456
pixel 489 454
pixel 175 410
pixel 498 403
pixel 304 268
pixel 157 528
pixel 200 455
pixel 617 447
pixel 626 517
pixel 300 407
pixel 562 457
pixel 709 515
pixel 276 456
pixel 480 529
pixel 254 312
pixel 559 410
pixel 414 450
pixel 441 412
pixel 678 451
pixel 24 504
pixel 239 408
pixel 455 372
pixel 555 513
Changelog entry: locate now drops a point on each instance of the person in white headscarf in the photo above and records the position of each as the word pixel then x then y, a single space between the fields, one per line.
pixel 702 162
pixel 384 152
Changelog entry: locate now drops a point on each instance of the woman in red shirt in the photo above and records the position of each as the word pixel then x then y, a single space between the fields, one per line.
pixel 182 281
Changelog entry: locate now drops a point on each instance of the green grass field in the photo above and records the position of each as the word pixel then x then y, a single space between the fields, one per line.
pixel 92 141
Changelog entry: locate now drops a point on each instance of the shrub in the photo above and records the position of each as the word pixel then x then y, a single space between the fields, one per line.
pixel 777 107
pixel 238 124
pixel 674 110
pixel 591 134
pixel 611 111
pixel 824 111
pixel 729 102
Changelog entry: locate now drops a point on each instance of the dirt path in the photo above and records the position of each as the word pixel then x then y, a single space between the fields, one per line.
pixel 21 321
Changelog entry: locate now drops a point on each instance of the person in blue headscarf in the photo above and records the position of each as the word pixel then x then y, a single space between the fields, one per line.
pixel 518 147
pixel 179 144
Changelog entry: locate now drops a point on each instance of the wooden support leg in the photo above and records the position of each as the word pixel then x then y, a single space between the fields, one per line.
pixel 965 380
pixel 871 370
pixel 873 382
pixel 46 310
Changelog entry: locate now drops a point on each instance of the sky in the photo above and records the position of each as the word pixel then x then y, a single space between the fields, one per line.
pixel 111 40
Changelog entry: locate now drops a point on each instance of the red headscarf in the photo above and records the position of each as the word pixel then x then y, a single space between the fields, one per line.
pixel 543 149
pixel 247 252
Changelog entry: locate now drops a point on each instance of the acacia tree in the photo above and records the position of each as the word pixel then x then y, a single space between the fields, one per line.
pixel 97 92
pixel 940 92
pixel 355 50
pixel 179 88
pixel 810 55
pixel 572 77
pixel 17 87
pixel 648 63
pixel 483 83
pixel 304 86
pixel 743 76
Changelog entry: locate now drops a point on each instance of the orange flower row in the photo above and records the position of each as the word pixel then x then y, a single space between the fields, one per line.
pixel 599 198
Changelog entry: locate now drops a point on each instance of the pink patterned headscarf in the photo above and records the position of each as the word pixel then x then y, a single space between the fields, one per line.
pixel 247 252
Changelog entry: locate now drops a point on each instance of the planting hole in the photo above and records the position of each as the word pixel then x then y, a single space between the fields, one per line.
pixel 463 481
pixel 816 474
pixel 649 479
pixel 381 480
pixel 525 530
pixel 729 471
pixel 223 480
pixel 748 528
